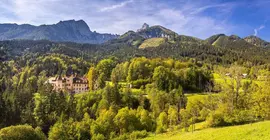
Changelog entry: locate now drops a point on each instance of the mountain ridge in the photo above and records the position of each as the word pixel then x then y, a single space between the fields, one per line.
pixel 79 32
pixel 147 34
pixel 69 30
pixel 257 41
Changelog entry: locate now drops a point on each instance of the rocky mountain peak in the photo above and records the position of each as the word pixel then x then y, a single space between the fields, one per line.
pixel 69 30
pixel 254 40
pixel 144 27
pixel 234 37
pixel 79 25
pixel 156 32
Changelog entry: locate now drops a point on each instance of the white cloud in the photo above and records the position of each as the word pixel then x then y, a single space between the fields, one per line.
pixel 193 25
pixel 122 4
pixel 201 9
pixel 258 29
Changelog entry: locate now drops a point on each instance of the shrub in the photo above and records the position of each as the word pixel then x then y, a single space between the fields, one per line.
pixel 139 83
pixel 98 137
pixel 133 136
pixel 215 119
pixel 239 117
pixel 138 135
pixel 21 132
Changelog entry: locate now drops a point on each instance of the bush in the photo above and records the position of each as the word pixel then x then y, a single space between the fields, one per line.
pixel 139 83
pixel 21 132
pixel 138 135
pixel 133 136
pixel 98 137
pixel 215 119
pixel 239 117
pixel 70 130
pixel 160 129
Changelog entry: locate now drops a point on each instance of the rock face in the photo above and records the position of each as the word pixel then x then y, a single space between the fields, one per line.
pixel 71 30
pixel 144 27
pixel 156 32
pixel 257 41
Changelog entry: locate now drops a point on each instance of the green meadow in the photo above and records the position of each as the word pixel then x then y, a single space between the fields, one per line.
pixel 255 131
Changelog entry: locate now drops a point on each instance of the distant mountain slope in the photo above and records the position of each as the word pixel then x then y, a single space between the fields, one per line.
pixel 71 30
pixel 188 40
pixel 222 40
pixel 130 38
pixel 257 41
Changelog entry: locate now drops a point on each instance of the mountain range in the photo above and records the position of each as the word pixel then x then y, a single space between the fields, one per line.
pixel 147 36
pixel 71 31
pixel 154 36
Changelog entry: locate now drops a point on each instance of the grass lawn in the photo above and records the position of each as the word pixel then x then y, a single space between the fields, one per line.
pixel 256 131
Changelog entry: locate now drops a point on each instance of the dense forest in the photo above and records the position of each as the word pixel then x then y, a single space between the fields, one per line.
pixel 133 91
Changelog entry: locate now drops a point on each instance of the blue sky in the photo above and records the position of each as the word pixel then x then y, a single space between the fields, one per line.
pixel 199 18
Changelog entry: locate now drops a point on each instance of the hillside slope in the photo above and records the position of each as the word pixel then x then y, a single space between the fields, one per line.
pixel 152 42
pixel 256 131
pixel 222 40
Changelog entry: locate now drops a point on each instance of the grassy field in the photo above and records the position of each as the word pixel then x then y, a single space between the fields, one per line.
pixel 152 42
pixel 256 131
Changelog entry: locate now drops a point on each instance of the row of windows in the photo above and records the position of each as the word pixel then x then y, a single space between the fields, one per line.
pixel 75 85
pixel 80 88
pixel 79 85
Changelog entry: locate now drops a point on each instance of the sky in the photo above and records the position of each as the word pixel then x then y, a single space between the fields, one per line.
pixel 199 18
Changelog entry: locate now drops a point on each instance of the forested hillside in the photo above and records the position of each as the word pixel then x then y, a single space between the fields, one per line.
pixel 134 91
pixel 182 48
